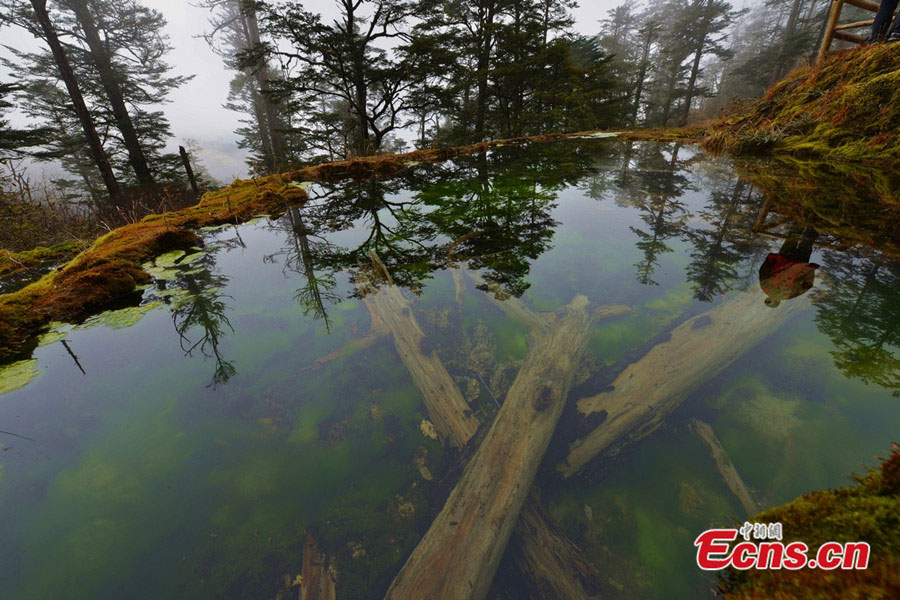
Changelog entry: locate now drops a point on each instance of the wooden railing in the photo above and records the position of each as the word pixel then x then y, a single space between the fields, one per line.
pixel 836 30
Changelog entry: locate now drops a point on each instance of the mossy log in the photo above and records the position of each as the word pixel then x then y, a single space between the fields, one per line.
pixel 460 553
pixel 725 467
pixel 696 351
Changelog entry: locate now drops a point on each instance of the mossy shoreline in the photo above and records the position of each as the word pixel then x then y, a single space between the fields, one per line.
pixel 868 511
pixel 846 108
pixel 110 269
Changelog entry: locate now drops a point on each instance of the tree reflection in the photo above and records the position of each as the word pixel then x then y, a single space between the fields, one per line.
pixel 860 312
pixel 660 183
pixel 491 211
pixel 726 240
pixel 302 255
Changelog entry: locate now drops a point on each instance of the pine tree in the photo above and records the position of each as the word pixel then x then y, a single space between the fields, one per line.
pixel 338 73
pixel 115 50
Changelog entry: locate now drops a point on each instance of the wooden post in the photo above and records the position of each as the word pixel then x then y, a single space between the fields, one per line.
pixel 187 167
pixel 836 7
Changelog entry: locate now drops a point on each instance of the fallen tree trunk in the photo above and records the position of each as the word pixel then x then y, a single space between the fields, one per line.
pixel 447 409
pixel 458 556
pixel 648 390
pixel 555 566
pixel 725 466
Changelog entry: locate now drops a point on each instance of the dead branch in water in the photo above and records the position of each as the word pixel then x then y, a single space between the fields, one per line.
pixel 725 467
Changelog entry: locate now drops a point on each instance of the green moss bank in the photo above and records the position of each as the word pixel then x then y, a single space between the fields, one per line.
pixel 847 107
pixel 868 511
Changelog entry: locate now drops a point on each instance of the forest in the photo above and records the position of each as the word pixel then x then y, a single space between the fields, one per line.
pixel 375 77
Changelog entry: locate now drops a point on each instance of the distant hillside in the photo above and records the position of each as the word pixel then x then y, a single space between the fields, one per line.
pixel 846 108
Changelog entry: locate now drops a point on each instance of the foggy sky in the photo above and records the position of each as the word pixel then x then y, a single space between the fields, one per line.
pixel 195 110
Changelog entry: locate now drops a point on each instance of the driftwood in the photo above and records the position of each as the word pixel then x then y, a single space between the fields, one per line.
pixel 725 467
pixel 460 553
pixel 514 307
pixel 354 345
pixel 459 283
pixel 699 349
pixel 554 565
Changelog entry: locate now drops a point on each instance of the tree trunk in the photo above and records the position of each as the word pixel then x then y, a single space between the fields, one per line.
pixel 483 68
pixel 462 549
pixel 642 72
pixel 789 32
pixel 87 123
pixel 186 161
pixel 261 75
pixel 109 79
pixel 636 403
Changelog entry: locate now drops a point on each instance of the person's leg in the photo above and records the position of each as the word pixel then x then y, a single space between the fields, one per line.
pixel 883 18
pixel 894 33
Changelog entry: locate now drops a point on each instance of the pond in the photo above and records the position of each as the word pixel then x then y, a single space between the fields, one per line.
pixel 184 445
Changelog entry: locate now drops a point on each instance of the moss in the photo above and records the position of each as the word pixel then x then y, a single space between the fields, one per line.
pixel 847 107
pixel 12 263
pixel 868 511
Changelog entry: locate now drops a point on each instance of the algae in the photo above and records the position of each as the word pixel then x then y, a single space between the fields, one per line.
pixel 17 375
pixel 120 319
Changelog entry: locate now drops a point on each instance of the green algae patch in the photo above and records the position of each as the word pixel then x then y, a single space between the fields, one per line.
pixel 120 319
pixel 868 511
pixel 55 332
pixel 17 375
pixel 847 107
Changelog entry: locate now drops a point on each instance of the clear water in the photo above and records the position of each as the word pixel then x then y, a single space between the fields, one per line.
pixel 194 441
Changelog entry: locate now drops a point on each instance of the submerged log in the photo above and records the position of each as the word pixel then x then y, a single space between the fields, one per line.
pixel 725 467
pixel 460 553
pixel 453 420
pixel 317 579
pixel 354 345
pixel 699 349
pixel 555 566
